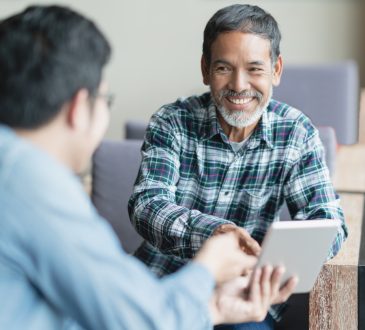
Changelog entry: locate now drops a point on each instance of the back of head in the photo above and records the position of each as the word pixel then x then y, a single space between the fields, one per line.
pixel 246 19
pixel 47 54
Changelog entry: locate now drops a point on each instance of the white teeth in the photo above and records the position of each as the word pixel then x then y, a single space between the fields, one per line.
pixel 241 101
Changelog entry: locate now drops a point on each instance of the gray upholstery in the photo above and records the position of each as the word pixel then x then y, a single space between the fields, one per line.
pixel 327 93
pixel 115 167
pixel 135 129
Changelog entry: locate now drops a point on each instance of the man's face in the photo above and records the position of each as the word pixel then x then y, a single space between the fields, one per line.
pixel 241 76
pixel 97 116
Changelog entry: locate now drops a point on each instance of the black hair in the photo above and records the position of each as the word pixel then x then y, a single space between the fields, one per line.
pixel 246 19
pixel 47 54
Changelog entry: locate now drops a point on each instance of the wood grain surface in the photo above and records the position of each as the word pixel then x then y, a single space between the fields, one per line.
pixel 333 302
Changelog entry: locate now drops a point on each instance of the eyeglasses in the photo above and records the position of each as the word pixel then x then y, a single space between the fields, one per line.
pixel 108 97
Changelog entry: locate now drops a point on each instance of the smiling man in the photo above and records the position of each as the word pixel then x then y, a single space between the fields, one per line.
pixel 228 159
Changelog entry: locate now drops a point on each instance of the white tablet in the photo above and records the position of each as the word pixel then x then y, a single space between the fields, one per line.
pixel 301 247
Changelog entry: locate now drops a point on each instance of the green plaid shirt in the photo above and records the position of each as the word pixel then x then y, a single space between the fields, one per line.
pixel 191 181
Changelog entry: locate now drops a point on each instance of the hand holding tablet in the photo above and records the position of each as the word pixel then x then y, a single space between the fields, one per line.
pixel 301 247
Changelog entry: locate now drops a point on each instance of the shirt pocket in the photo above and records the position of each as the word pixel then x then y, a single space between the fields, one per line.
pixel 257 210
pixel 253 202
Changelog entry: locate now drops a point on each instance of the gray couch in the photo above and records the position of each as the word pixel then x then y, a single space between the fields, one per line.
pixel 114 169
pixel 327 93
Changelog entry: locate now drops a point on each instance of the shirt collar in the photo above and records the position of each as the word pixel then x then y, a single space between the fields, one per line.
pixel 6 133
pixel 263 132
pixel 211 126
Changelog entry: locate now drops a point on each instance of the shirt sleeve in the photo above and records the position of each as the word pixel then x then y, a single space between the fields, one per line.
pixel 309 192
pixel 78 266
pixel 153 209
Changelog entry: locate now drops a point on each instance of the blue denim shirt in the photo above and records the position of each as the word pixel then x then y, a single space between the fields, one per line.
pixel 61 265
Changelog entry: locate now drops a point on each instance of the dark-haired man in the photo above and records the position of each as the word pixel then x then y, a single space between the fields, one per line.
pixel 228 159
pixel 61 266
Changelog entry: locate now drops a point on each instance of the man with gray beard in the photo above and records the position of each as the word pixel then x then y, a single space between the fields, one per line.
pixel 228 159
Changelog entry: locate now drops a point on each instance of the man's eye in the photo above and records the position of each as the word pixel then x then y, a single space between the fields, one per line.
pixel 222 69
pixel 255 70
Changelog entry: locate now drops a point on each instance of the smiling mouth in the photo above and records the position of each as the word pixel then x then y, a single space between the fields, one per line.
pixel 239 101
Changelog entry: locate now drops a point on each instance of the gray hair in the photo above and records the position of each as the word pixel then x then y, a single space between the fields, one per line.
pixel 246 19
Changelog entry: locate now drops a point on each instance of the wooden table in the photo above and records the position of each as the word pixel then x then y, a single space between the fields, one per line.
pixel 349 173
pixel 338 298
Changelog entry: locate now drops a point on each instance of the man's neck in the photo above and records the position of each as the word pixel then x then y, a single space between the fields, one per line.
pixel 49 140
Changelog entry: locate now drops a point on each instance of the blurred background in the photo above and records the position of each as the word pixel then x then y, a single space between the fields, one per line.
pixel 157 44
pixel 156 59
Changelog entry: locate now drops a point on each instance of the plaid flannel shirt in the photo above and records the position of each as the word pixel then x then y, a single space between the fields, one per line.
pixel 191 181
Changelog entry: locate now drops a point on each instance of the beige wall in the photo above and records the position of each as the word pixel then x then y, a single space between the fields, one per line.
pixel 157 43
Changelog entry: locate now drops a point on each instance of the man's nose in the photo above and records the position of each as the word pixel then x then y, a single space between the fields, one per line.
pixel 239 81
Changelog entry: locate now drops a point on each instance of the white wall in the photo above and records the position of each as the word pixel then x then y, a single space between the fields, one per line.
pixel 157 43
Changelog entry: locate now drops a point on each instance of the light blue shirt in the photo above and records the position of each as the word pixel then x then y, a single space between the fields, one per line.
pixel 61 265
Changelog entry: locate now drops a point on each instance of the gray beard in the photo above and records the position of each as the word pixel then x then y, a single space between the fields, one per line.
pixel 241 119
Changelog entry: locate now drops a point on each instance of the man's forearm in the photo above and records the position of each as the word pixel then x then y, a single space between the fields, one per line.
pixel 172 228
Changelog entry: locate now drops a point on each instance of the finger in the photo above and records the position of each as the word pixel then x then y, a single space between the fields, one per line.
pixel 253 248
pixel 248 243
pixel 266 285
pixel 287 290
pixel 276 278
pixel 254 290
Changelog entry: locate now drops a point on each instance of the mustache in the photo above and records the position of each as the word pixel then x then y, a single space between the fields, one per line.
pixel 249 93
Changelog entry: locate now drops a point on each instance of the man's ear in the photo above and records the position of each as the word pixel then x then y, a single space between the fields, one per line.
pixel 277 71
pixel 205 70
pixel 78 109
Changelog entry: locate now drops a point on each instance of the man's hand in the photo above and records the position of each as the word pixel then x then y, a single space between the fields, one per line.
pixel 224 258
pixel 247 243
pixel 234 302
pixel 281 294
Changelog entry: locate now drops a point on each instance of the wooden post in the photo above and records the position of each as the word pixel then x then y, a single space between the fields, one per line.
pixel 333 302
